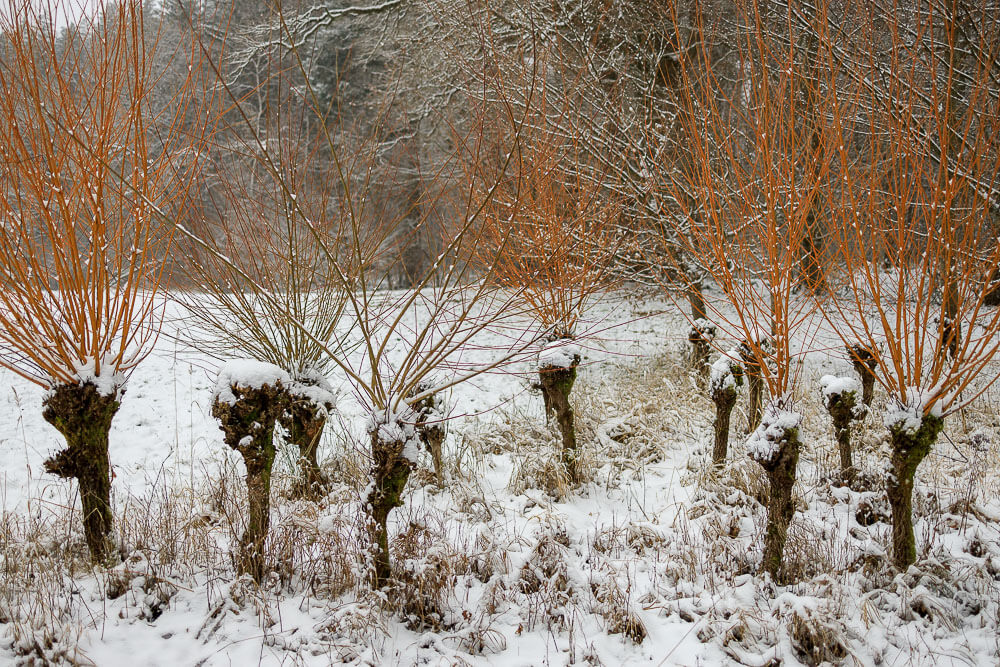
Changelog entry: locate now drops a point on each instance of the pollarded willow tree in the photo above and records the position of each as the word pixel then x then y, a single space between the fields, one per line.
pixel 266 290
pixel 747 193
pixel 268 298
pixel 82 198
pixel 549 237
pixel 916 223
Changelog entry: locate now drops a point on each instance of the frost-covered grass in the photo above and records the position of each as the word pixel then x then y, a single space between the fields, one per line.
pixel 651 560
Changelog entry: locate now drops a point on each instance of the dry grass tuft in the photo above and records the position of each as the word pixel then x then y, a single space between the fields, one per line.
pixel 817 639
pixel 423 583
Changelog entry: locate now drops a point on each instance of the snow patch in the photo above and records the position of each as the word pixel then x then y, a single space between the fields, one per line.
pixel 764 443
pixel 908 415
pixel 560 353
pixel 247 374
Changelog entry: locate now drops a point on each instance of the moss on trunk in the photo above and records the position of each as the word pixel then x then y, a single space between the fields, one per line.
pixel 909 448
pixel 390 471
pixel 775 446
pixel 304 420
pixel 83 415
pixel 557 383
pixel 248 427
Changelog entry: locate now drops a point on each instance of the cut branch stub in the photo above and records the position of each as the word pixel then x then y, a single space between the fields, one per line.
pixel 911 440
pixel 775 446
pixel 247 414
pixel 83 415
pixel 864 361
pixel 840 399
pixel 725 381
pixel 394 455
pixel 557 367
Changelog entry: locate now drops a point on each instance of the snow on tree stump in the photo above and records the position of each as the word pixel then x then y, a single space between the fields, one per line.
pixel 864 361
pixel 312 400
pixel 82 413
pixel 724 382
pixel 430 425
pixel 250 396
pixel 840 398
pixel 557 368
pixel 700 336
pixel 913 430
pixel 775 446
pixel 394 447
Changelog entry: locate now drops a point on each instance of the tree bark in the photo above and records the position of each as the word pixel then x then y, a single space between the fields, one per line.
pixel 780 507
pixel 248 427
pixel 725 400
pixel 755 387
pixel 83 415
pixel 909 448
pixel 390 471
pixel 864 362
pixel 430 429
pixel 304 420
pixel 842 411
pixel 700 337
pixel 557 382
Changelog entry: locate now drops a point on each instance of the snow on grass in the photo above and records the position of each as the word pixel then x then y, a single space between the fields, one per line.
pixel 652 561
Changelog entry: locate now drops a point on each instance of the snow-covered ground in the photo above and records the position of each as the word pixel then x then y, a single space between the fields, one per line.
pixel 652 560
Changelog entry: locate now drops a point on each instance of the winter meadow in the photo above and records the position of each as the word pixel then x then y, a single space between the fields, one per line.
pixel 500 333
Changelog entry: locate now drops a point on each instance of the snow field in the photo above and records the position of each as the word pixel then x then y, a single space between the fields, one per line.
pixel 651 561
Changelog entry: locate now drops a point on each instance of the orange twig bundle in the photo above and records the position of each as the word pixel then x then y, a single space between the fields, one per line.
pixel 83 187
pixel 552 229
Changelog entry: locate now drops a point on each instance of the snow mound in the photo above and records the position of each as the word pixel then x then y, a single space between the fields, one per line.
pixel 314 387
pixel 831 386
pixel 907 415
pixel 247 374
pixel 764 443
pixel 560 353
pixel 107 383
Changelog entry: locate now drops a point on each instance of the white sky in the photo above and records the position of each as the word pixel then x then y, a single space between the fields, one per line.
pixel 63 11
